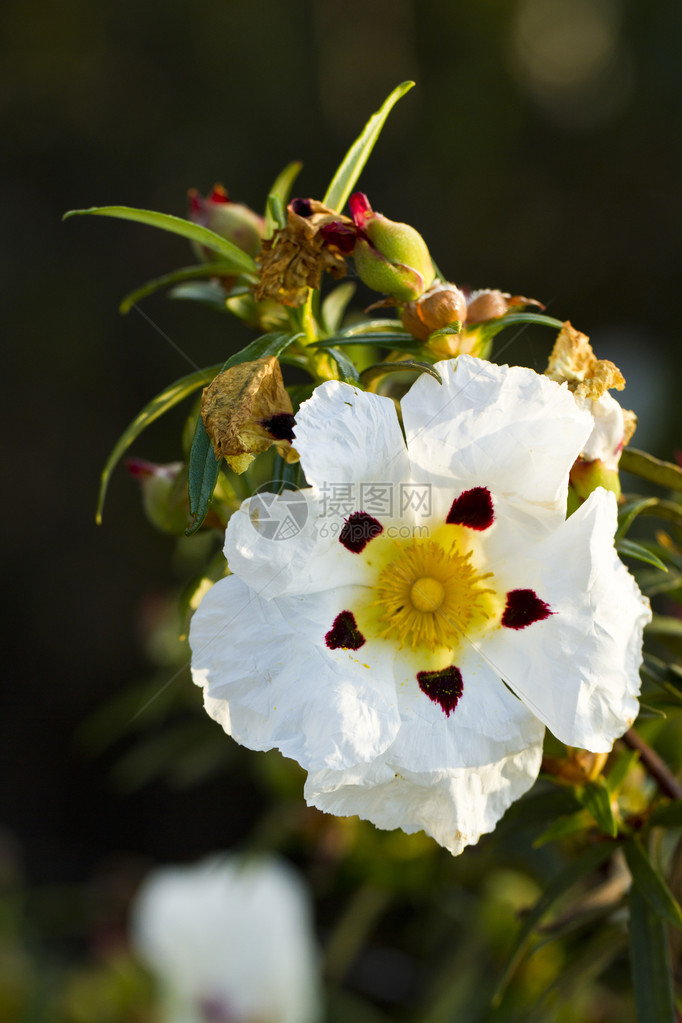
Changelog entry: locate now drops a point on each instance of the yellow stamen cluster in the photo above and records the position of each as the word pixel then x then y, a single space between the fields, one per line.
pixel 431 596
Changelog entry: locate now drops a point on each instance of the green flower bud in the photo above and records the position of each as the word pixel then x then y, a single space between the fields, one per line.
pixel 230 220
pixel 587 476
pixel 389 257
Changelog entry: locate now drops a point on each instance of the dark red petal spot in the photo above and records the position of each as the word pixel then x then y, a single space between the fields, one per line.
pixel 302 207
pixel 442 687
pixel 280 426
pixel 523 608
pixel 358 529
pixel 473 508
pixel 344 633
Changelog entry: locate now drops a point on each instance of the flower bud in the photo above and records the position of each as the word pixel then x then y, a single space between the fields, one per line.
pixel 230 220
pixel 490 304
pixel 246 410
pixel 437 308
pixel 389 257
pixel 164 493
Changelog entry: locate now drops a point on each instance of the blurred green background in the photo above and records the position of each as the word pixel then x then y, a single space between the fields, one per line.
pixel 540 153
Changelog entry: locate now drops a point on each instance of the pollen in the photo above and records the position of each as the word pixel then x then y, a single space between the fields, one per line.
pixel 431 595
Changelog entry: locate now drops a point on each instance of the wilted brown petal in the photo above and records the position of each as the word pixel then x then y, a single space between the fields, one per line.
pixel 296 256
pixel 236 404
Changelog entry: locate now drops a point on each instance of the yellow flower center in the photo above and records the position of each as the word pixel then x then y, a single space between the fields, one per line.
pixel 430 595
pixel 427 594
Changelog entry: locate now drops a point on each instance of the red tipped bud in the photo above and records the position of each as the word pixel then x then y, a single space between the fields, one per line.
pixel 389 257
pixel 230 220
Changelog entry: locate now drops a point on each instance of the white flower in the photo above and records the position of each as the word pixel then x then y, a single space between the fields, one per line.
pixel 435 611
pixel 230 941
pixel 608 436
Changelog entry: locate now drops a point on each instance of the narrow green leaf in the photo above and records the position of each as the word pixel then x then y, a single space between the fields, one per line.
pixel 335 304
pixel 349 171
pixel 639 463
pixel 629 549
pixel 489 329
pixel 204 469
pixel 164 401
pixel 346 367
pixel 653 507
pixel 203 466
pixel 206 292
pixel 451 328
pixel 186 273
pixel 650 884
pixel 281 188
pixel 577 869
pixel 669 815
pixel 232 255
pixel 665 625
pixel 380 369
pixel 562 827
pixel 372 326
pixel 650 963
pixel 395 342
pixel 596 799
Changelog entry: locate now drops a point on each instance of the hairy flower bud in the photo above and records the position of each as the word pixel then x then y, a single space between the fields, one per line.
pixel 246 410
pixel 164 493
pixel 230 220
pixel 436 309
pixel 490 304
pixel 389 257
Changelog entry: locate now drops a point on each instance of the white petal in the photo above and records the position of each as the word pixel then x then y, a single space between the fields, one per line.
pixel 345 435
pixel 271 681
pixel 606 440
pixel 233 931
pixel 455 807
pixel 494 426
pixel 488 723
pixel 294 550
pixel 578 670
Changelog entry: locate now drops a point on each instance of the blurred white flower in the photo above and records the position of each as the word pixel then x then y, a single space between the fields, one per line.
pixel 230 941
pixel 434 609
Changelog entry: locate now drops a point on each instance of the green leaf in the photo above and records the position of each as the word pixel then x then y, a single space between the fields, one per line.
pixel 203 466
pixel 669 815
pixel 394 342
pixel 650 884
pixel 334 306
pixel 372 326
pixel 207 292
pixel 620 770
pixel 349 171
pixel 639 463
pixel 233 256
pixel 489 329
pixel 665 625
pixel 186 273
pixel 347 369
pixel 629 549
pixel 650 963
pixel 278 197
pixel 596 799
pixel 654 507
pixel 380 369
pixel 562 827
pixel 164 401
pixel 577 869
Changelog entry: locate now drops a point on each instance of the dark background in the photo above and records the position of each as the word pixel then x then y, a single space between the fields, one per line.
pixel 540 152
